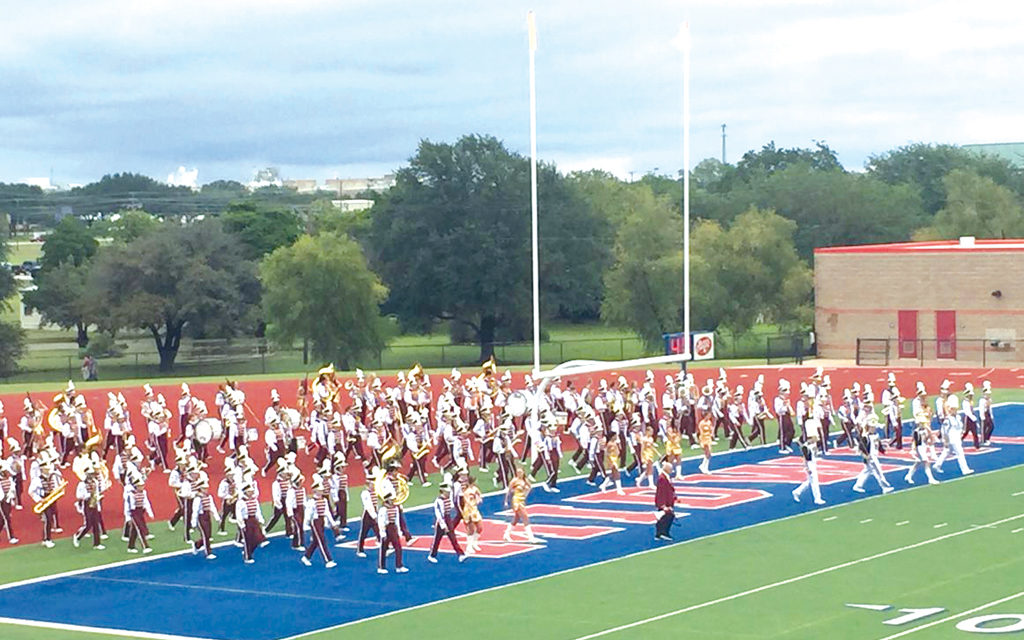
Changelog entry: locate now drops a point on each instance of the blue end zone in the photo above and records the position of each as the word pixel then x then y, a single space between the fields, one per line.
pixel 186 595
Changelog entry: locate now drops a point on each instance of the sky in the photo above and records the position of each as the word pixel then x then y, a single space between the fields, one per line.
pixel 196 91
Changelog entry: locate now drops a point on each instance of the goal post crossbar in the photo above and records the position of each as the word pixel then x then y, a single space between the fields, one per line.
pixel 580 367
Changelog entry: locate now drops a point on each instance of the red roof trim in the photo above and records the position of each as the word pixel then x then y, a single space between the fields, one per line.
pixel 939 246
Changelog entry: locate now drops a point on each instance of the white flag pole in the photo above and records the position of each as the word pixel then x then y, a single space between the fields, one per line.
pixel 531 25
pixel 686 186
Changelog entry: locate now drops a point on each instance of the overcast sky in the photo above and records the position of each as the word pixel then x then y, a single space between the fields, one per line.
pixel 347 88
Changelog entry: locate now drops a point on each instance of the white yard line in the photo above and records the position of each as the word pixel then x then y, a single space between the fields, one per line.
pixel 954 616
pixel 41 624
pixel 794 579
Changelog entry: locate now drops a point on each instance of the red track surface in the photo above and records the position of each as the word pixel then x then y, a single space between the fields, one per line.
pixel 29 528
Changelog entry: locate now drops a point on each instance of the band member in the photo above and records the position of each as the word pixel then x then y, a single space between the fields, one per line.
pixel 665 495
pixel 550 455
pixel 809 452
pixel 417 443
pixel 87 496
pixel 869 445
pixel 7 501
pixel 16 467
pixel 705 436
pixel 180 481
pixel 338 485
pixel 318 517
pixel 387 525
pixel 295 505
pixel 204 512
pixel 136 508
pixel 970 418
pixel 757 409
pixel 248 514
pixel 471 498
pixel 988 419
pixel 517 491
pixel 734 418
pixel 157 424
pixel 784 411
pixel 952 432
pixel 922 450
pixel 674 449
pixel 46 480
pixel 229 492
pixel 370 508
pixel 184 411
pixel 444 507
pixel 279 497
pixel 648 453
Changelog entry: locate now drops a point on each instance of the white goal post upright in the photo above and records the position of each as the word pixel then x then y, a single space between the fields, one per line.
pixel 578 367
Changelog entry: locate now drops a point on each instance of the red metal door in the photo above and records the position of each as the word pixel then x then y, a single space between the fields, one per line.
pixel 945 335
pixel 907 331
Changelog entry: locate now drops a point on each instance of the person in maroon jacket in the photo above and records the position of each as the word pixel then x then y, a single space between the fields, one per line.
pixel 664 502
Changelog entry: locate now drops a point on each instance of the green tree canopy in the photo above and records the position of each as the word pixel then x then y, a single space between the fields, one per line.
pixel 452 242
pixel 12 339
pixel 61 299
pixel 130 224
pixel 320 289
pixel 924 166
pixel 755 165
pixel 975 206
pixel 71 241
pixel 192 278
pixel 261 229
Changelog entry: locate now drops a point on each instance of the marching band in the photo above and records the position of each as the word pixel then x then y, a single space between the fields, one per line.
pixel 509 435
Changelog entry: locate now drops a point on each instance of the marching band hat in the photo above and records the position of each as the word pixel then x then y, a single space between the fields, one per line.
pixel 817 374
pixel 946 384
pixel 721 373
pixel 275 396
pixel 13 445
pixel 920 388
pixel 968 388
pixel 826 383
pixel 986 387
pixel 783 384
pixel 445 486
pixel 184 389
pixel 148 390
pixel 891 378
pixel 28 405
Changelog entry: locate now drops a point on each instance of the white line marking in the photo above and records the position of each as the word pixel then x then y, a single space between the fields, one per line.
pixel 1019 493
pixel 866 520
pixel 799 578
pixel 113 632
pixel 871 607
pixel 203 587
pixel 829 519
pixel 900 524
pixel 955 616
pixel 1017 530
pixel 942 524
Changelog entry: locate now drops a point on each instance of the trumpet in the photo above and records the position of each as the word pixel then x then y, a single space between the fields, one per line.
pixel 50 498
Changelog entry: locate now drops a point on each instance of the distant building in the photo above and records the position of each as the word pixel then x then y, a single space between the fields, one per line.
pixel 302 186
pixel 921 301
pixel 354 186
pixel 354 204
pixel 1011 151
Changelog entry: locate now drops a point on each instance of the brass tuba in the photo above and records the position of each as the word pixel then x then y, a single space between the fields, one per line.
pixel 50 498
pixel 401 487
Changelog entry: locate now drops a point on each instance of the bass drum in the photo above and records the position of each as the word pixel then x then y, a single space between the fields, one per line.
pixel 208 429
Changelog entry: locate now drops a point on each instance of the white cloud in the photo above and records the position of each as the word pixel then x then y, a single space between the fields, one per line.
pixel 183 177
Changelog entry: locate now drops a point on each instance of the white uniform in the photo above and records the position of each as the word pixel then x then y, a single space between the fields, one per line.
pixel 952 431
pixel 810 456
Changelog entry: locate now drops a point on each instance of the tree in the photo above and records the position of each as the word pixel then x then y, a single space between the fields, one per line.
pixel 261 229
pixel 324 217
pixel 975 206
pixel 837 208
pixel 12 339
pixel 320 289
pixel 129 224
pixel 771 159
pixel 452 242
pixel 176 279
pixel 61 299
pixel 71 241
pixel 738 275
pixel 924 166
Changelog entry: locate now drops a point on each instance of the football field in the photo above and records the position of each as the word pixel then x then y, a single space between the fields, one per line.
pixel 748 562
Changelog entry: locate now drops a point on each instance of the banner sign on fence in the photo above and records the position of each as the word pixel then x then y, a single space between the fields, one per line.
pixel 702 346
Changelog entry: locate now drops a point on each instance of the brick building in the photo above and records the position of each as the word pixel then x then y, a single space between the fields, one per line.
pixel 926 301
